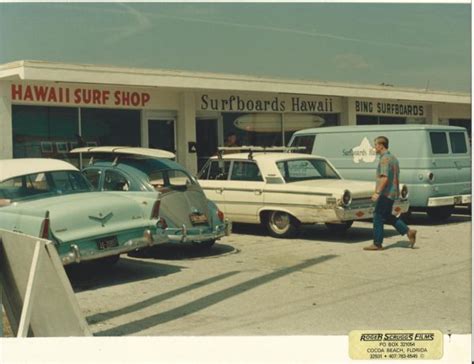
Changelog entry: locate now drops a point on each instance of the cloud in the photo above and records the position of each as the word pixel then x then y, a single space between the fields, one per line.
pixel 351 61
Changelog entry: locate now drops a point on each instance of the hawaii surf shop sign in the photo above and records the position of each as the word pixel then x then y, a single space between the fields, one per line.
pixel 79 96
pixel 273 104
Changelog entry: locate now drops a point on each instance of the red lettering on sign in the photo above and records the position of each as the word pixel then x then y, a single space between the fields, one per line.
pixel 77 96
pixel 16 92
pixel 145 98
pixel 28 94
pixel 52 95
pixel 40 92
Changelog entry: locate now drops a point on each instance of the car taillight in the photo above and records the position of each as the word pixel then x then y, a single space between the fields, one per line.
pixel 155 211
pixel 220 215
pixel 44 231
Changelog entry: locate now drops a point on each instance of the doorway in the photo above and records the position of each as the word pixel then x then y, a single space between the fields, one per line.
pixel 161 134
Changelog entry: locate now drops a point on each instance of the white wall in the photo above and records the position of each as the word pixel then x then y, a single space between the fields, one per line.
pixel 6 136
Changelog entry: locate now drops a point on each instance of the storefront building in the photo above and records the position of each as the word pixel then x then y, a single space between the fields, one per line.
pixel 46 109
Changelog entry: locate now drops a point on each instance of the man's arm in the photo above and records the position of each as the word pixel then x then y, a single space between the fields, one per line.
pixel 382 181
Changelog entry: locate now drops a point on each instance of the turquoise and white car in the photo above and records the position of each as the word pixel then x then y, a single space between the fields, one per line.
pixel 52 199
pixel 186 215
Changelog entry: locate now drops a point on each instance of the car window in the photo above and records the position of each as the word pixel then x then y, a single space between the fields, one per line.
pixel 40 185
pixel 115 181
pixel 170 178
pixel 93 176
pixel 439 143
pixel 458 142
pixel 215 170
pixel 306 141
pixel 306 169
pixel 245 171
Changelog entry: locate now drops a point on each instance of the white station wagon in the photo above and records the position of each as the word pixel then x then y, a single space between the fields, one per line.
pixel 283 190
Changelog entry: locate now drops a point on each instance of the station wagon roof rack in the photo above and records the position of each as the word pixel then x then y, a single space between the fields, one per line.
pixel 252 149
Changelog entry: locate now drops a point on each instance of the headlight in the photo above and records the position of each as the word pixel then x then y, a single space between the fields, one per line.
pixel 404 192
pixel 346 198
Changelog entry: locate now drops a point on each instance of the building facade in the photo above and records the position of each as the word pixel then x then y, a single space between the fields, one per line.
pixel 46 109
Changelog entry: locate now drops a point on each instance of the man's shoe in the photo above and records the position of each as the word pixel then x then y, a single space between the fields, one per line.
pixel 411 237
pixel 373 247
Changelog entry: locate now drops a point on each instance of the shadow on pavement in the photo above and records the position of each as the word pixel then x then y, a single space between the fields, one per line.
pixel 183 251
pixel 319 232
pixel 93 275
pixel 207 301
pixel 421 218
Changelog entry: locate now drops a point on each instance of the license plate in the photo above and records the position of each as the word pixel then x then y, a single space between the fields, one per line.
pixel 457 200
pixel 198 219
pixel 107 243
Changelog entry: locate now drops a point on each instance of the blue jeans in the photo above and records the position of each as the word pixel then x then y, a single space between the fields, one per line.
pixel 383 214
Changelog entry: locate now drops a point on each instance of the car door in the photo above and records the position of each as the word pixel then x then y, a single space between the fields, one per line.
pixel 213 179
pixel 243 193
pixel 460 155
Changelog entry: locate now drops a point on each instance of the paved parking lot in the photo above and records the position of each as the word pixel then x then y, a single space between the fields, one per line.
pixel 316 284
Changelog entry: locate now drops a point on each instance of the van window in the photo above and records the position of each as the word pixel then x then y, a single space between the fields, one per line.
pixel 439 143
pixel 458 142
pixel 306 141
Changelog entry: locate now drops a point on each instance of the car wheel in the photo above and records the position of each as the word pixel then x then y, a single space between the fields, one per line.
pixel 339 227
pixel 280 224
pixel 440 213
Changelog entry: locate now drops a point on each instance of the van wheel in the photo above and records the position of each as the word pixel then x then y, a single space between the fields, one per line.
pixel 339 227
pixel 280 224
pixel 440 213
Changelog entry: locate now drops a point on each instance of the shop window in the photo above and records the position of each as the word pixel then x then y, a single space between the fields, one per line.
pixel 439 143
pixel 161 134
pixel 110 127
pixel 380 120
pixel 206 140
pixel 464 123
pixel 42 131
pixel 268 129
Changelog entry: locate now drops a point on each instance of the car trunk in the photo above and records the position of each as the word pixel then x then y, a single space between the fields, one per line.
pixel 178 204
pixel 78 216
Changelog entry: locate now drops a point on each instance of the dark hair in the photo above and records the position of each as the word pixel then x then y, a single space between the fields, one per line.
pixel 231 134
pixel 382 140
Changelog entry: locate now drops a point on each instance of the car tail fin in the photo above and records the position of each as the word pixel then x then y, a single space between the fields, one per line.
pixel 44 231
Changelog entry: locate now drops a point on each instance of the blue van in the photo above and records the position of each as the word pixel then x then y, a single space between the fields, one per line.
pixel 435 160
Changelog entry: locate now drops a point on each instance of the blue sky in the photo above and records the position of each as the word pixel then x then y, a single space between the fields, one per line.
pixel 406 45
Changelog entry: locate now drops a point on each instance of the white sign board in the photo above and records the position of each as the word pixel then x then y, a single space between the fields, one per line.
pixel 36 289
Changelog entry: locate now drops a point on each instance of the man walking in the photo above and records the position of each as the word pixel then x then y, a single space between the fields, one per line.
pixel 387 190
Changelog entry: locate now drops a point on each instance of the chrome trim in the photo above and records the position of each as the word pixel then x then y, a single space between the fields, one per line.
pixel 448 200
pixel 266 191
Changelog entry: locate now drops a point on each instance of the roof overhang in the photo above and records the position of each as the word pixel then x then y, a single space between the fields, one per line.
pixel 39 71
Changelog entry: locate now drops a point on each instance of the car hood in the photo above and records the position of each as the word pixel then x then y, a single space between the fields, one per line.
pixel 81 215
pixel 335 187
pixel 177 206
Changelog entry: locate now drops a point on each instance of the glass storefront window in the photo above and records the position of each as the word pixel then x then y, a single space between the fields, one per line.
pixel 111 127
pixel 381 120
pixel 42 131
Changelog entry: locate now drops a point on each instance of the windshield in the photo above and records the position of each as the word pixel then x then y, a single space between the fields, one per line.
pixel 43 184
pixel 306 169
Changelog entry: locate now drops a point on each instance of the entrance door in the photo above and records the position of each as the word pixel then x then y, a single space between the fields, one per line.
pixel 161 134
pixel 206 140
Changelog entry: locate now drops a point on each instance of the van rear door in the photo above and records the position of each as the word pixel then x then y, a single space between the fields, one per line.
pixel 459 144
pixel 442 165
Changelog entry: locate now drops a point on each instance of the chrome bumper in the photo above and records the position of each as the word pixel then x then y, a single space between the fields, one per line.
pixel 449 200
pixel 77 255
pixel 198 234
pixel 367 212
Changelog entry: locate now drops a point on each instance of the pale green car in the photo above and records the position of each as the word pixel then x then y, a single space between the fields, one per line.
pixel 53 200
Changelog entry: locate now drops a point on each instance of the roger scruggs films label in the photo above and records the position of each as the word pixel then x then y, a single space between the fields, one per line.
pixel 396 344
